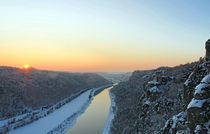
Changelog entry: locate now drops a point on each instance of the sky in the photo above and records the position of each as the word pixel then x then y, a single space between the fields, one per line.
pixel 102 35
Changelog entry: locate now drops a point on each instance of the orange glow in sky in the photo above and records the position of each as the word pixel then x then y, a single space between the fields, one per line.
pixel 92 36
pixel 26 66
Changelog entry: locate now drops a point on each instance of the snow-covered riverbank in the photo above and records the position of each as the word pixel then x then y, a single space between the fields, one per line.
pixel 46 124
pixel 111 114
pixel 61 118
pixel 71 120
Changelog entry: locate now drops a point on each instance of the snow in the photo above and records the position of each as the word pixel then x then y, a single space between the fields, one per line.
pixel 4 122
pixel 198 127
pixel 188 80
pixel 183 132
pixel 196 103
pixel 198 89
pixel 46 124
pixel 145 76
pixel 154 89
pixel 206 79
pixel 147 102
pixel 207 125
pixel 61 119
pixel 154 82
pixel 178 118
pixel 176 122
pixel 111 114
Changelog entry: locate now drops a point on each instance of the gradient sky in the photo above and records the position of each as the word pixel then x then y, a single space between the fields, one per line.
pixel 102 35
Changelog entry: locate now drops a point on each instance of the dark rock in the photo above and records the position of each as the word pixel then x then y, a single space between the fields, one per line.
pixel 208 48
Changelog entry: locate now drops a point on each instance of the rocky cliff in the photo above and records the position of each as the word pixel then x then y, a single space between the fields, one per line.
pixel 166 100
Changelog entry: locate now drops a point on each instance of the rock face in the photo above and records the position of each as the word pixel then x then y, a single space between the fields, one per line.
pixel 198 110
pixel 169 100
pixel 208 48
pixel 197 103
pixel 148 99
pixel 196 100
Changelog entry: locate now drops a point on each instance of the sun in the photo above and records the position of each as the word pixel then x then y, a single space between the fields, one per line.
pixel 26 66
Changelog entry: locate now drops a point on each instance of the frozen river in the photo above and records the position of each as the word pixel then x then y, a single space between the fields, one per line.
pixel 94 119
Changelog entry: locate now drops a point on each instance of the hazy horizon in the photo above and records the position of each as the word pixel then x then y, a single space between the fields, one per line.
pixel 102 36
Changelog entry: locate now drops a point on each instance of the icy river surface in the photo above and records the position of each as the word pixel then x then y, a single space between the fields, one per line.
pixel 94 119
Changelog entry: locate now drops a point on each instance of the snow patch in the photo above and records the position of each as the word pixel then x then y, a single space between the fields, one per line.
pixel 147 102
pixel 188 80
pixel 5 122
pixel 111 114
pixel 206 79
pixel 198 89
pixel 154 89
pixel 196 103
pixel 178 118
pixel 154 82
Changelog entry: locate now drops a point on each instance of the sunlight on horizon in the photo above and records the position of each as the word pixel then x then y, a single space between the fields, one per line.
pixel 108 35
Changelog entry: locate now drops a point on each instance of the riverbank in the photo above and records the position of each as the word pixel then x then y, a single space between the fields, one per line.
pixel 112 113
pixel 57 111
pixel 69 122
pixel 32 116
pixel 94 119
pixel 125 112
pixel 46 124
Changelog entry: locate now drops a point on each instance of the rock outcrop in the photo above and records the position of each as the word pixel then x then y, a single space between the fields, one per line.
pixel 169 100
pixel 208 48
pixel 149 98
pixel 198 110
pixel 196 101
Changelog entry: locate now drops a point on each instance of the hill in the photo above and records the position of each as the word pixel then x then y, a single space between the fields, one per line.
pixel 26 90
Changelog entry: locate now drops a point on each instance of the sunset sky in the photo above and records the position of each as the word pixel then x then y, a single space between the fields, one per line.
pixel 102 35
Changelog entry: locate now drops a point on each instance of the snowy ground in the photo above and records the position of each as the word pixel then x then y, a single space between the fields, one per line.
pixel 62 118
pixel 46 124
pixel 5 122
pixel 111 114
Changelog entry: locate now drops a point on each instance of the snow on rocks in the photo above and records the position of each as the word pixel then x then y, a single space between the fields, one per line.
pixel 145 76
pixel 198 89
pixel 147 103
pixel 202 91
pixel 198 108
pixel 153 82
pixel 155 89
pixel 175 123
pixel 200 129
pixel 206 79
pixel 188 80
pixel 196 103
pixel 178 119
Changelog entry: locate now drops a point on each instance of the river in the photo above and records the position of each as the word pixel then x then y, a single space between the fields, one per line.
pixel 93 120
